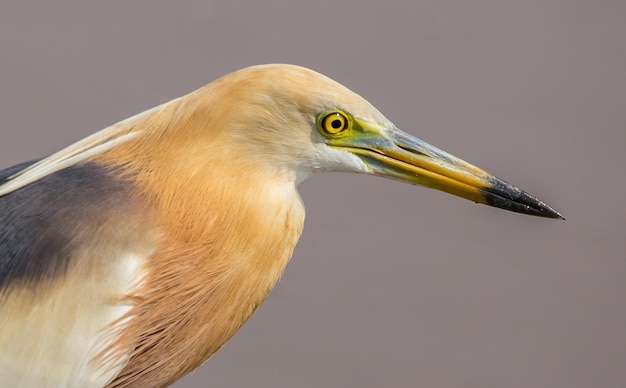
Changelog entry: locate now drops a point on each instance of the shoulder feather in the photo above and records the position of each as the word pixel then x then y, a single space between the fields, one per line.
pixel 80 151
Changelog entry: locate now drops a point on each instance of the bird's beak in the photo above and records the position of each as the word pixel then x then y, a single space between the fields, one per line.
pixel 395 154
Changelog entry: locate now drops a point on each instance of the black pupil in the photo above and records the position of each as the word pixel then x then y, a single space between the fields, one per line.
pixel 336 124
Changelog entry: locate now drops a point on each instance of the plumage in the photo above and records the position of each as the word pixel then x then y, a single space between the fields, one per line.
pixel 130 257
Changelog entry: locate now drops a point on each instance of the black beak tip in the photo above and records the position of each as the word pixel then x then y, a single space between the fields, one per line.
pixel 505 196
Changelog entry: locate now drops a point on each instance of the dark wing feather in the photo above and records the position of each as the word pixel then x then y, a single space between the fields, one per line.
pixel 42 223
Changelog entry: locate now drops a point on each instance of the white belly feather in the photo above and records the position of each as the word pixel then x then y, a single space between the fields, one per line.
pixel 49 338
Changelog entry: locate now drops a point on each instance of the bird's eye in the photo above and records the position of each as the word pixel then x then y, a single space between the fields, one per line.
pixel 334 122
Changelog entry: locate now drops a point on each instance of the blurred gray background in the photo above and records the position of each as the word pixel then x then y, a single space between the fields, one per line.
pixel 391 285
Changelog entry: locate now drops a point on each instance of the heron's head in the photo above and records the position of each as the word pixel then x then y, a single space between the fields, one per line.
pixel 289 118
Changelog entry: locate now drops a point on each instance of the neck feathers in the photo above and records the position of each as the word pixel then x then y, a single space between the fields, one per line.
pixel 227 232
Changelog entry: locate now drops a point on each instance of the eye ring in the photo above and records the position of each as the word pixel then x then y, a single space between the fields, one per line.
pixel 334 122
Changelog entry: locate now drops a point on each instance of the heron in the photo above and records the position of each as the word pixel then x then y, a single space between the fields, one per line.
pixel 130 257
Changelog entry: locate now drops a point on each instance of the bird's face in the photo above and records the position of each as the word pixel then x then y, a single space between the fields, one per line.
pixel 389 152
pixel 309 123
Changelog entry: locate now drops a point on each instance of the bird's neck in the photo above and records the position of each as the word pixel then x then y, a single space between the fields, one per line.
pixel 227 232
